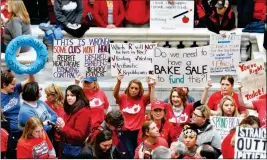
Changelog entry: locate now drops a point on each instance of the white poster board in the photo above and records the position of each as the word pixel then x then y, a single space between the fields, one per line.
pixel 225 54
pixel 253 79
pixel 223 125
pixel 250 143
pixel 88 57
pixel 172 16
pixel 182 67
pixel 131 59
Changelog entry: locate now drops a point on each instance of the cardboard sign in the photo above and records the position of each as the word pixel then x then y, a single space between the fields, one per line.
pixel 131 59
pixel 225 54
pixel 253 79
pixel 172 16
pixel 88 57
pixel 250 143
pixel 223 125
pixel 182 67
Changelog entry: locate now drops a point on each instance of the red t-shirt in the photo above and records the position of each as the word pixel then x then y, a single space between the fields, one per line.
pixel 137 11
pixel 260 106
pixel 164 132
pixel 60 113
pixel 201 10
pixel 159 142
pixel 133 111
pixel 4 139
pixel 34 148
pixel 216 97
pixel 98 104
pixel 4 13
pixel 228 151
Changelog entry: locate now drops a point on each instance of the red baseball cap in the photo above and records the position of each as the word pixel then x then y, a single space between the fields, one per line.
pixel 157 104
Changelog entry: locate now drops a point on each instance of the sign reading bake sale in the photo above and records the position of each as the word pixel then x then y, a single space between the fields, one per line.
pixel 225 54
pixel 250 143
pixel 182 67
pixel 253 79
pixel 131 59
pixel 172 16
pixel 87 57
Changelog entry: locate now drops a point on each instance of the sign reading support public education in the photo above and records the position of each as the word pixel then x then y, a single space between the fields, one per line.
pixel 182 67
pixel 250 143
pixel 88 57
pixel 179 15
pixel 225 54
pixel 253 79
pixel 223 125
pixel 131 59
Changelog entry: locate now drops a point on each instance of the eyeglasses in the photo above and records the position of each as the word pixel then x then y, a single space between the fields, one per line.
pixel 196 115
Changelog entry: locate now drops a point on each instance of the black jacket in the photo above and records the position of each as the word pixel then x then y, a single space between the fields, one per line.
pixel 228 21
pixel 112 153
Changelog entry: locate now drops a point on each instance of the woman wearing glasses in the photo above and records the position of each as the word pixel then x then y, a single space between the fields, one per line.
pixel 179 110
pixel 206 132
pixel 55 100
pixel 33 107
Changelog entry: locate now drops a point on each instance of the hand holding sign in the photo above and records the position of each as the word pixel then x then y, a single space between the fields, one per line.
pixel 120 76
pixel 239 85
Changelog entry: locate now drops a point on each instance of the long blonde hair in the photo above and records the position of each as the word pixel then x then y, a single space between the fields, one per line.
pixel 55 90
pixel 31 125
pixel 16 8
pixel 220 106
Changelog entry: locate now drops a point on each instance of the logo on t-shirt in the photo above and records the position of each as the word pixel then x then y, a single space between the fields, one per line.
pixel 181 119
pixel 96 102
pixel 133 110
pixel 13 102
pixel 40 150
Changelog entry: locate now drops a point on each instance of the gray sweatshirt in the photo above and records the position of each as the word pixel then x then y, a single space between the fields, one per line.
pixel 14 28
pixel 68 11
pixel 209 135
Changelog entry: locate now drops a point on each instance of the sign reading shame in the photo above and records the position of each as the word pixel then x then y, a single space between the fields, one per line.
pixel 172 16
pixel 225 54
pixel 131 59
pixel 88 57
pixel 250 143
pixel 253 78
pixel 223 125
pixel 182 67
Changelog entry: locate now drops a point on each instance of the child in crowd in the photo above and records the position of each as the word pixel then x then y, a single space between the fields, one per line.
pixel 221 19
pixel 34 142
pixel 109 13
pixel 190 134
pixel 133 106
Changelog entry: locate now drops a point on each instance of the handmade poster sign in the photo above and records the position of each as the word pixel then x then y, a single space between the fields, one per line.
pixel 223 125
pixel 250 143
pixel 88 57
pixel 131 59
pixel 182 67
pixel 225 54
pixel 179 15
pixel 253 79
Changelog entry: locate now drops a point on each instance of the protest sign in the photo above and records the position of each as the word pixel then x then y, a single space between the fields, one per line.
pixel 182 67
pixel 172 16
pixel 88 57
pixel 253 79
pixel 223 125
pixel 225 54
pixel 131 59
pixel 250 143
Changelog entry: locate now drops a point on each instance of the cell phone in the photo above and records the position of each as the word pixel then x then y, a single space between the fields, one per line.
pixel 51 124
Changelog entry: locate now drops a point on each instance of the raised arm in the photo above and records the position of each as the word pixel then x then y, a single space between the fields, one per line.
pixel 151 88
pixel 116 90
pixel 249 105
pixel 204 96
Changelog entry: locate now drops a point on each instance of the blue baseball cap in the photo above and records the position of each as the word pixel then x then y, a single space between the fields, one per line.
pixel 90 79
